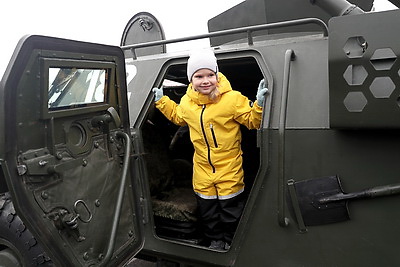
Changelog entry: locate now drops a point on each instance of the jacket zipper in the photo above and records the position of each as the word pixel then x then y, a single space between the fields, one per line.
pixel 213 135
pixel 205 138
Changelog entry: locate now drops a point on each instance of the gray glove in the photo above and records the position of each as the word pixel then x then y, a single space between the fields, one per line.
pixel 158 93
pixel 262 90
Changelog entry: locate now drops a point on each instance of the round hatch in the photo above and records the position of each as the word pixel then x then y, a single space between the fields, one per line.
pixel 142 28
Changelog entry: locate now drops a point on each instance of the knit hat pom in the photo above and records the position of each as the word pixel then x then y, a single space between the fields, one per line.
pixel 201 59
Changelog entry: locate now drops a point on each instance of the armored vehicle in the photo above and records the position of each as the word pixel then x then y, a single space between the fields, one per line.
pixel 93 175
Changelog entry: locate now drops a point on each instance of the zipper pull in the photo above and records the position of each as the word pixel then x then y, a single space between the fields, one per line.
pixel 213 135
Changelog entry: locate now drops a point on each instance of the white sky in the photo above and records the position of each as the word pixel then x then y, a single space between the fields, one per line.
pixel 103 21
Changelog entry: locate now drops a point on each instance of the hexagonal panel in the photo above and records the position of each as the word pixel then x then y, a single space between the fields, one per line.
pixel 355 74
pixel 355 101
pixel 382 87
pixel 355 46
pixel 383 59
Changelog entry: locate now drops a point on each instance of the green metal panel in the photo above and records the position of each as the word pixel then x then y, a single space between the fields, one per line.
pixel 364 71
pixel 362 159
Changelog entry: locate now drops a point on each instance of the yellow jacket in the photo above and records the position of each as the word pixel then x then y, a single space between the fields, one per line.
pixel 215 133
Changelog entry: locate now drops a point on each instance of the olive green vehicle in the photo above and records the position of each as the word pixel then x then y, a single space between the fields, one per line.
pixel 93 175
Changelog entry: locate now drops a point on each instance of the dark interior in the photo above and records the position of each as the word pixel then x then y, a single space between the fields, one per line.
pixel 169 152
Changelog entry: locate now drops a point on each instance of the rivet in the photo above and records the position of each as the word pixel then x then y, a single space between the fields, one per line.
pixel 44 195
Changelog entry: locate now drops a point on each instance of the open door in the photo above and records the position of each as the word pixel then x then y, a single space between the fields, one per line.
pixel 66 155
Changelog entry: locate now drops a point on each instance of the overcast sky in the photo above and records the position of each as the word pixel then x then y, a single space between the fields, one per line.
pixel 103 21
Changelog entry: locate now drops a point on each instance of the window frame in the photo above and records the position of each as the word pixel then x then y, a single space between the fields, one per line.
pixel 48 63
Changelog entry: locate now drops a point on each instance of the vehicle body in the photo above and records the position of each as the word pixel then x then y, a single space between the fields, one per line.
pixel 101 176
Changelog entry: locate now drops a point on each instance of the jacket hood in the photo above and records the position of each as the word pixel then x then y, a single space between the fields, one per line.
pixel 223 86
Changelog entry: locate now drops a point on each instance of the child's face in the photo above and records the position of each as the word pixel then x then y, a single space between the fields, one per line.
pixel 204 81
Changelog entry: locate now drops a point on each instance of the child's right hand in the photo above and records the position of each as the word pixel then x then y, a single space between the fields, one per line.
pixel 158 93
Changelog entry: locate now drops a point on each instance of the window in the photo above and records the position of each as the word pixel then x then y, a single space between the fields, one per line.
pixel 74 87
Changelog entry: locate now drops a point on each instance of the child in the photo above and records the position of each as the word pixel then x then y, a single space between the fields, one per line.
pixel 214 112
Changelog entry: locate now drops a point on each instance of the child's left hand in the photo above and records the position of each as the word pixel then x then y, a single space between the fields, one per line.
pixel 262 90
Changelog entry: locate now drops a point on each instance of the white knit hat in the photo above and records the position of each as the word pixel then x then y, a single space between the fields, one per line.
pixel 201 59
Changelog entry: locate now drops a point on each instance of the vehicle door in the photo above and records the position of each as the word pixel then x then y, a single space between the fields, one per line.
pixel 68 154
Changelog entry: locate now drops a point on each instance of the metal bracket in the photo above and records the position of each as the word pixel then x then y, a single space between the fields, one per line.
pixel 296 206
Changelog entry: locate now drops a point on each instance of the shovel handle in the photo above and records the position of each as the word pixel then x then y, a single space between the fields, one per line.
pixel 373 192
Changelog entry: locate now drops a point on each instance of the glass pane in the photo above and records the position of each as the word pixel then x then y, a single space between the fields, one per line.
pixel 71 87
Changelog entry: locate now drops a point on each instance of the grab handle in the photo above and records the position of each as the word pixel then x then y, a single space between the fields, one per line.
pixel 282 219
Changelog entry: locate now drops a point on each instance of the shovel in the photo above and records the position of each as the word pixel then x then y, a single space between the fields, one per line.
pixel 322 200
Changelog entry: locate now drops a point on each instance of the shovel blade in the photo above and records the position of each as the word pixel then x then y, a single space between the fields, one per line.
pixel 313 212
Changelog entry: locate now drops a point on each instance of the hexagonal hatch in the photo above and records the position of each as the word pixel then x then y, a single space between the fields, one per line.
pixel 383 59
